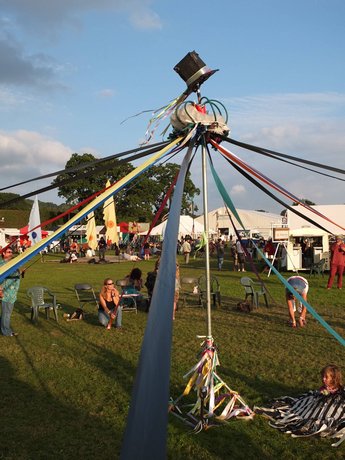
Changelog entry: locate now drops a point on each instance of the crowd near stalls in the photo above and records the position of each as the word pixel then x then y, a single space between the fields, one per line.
pixel 302 248
pixel 303 245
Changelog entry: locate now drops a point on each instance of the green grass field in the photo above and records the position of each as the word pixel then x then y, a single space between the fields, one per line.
pixel 65 388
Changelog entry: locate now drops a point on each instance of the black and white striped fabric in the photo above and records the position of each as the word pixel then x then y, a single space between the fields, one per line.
pixel 310 414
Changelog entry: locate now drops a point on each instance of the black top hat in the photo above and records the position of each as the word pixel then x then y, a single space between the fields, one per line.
pixel 193 70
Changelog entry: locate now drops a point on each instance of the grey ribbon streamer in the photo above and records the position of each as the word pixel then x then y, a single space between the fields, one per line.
pixel 146 431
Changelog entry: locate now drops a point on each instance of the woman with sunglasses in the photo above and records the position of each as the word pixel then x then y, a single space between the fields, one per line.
pixel 109 307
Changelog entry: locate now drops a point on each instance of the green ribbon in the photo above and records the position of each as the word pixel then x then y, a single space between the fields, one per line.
pixel 310 309
pixel 225 195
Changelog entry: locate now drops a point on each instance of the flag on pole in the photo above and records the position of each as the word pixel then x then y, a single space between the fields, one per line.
pixel 201 244
pixel 35 221
pixel 110 218
pixel 91 236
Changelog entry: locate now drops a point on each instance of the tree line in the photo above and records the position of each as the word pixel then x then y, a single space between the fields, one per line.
pixel 138 201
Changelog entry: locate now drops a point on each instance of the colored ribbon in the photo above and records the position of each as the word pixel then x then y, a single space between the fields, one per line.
pixel 18 261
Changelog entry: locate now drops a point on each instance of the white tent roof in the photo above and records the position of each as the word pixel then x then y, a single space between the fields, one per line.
pixel 185 227
pixel 256 221
pixel 335 212
pixel 11 231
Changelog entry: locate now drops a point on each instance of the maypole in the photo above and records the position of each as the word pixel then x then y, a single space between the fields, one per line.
pixel 216 401
pixel 207 247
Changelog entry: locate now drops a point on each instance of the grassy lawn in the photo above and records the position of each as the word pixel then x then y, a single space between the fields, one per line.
pixel 65 388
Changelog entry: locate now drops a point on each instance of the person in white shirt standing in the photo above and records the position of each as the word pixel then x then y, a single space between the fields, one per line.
pixel 186 249
pixel 241 256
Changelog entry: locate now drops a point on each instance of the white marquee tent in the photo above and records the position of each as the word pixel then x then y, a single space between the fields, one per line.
pixel 335 212
pixel 253 221
pixel 186 227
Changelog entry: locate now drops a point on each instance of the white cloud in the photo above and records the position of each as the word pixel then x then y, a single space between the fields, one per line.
pixel 144 18
pixel 309 126
pixel 238 189
pixel 46 17
pixel 10 99
pixel 27 154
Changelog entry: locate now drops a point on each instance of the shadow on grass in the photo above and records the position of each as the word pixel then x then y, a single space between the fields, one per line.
pixel 279 316
pixel 55 429
pixel 233 439
pixel 105 359
pixel 83 354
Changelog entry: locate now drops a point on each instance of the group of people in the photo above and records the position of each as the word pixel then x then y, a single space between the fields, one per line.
pixel 110 305
pixel 298 283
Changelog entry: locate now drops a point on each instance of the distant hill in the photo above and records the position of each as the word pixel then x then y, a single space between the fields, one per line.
pixel 16 215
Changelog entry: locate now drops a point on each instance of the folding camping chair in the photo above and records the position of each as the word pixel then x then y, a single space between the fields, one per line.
pixel 85 294
pixel 128 301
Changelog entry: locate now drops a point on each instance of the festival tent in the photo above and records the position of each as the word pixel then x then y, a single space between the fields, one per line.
pixel 11 232
pixel 187 226
pixel 335 212
pixel 254 221
pixel 24 231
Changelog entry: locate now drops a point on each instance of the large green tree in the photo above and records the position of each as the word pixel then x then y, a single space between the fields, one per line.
pixel 137 201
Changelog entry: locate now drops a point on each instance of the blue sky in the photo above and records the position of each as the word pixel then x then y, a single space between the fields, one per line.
pixel 72 70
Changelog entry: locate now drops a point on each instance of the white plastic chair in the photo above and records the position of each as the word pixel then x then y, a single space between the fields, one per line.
pixel 37 295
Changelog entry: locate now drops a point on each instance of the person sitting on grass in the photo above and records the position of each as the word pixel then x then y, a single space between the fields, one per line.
pixel 150 282
pixel 109 308
pixel 331 379
pixel 73 257
pixel 314 413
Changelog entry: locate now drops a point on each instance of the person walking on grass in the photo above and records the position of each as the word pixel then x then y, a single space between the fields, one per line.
pixel 220 253
pixel 102 246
